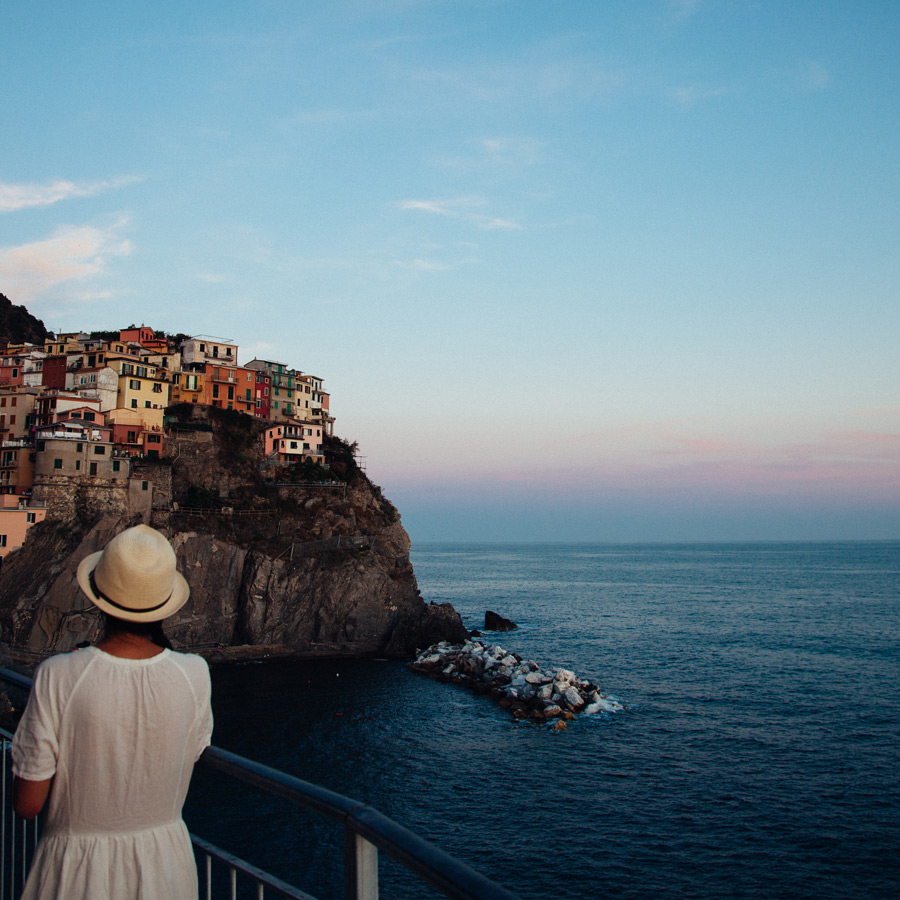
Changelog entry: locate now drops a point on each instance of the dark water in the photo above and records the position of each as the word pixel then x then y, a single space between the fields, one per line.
pixel 758 756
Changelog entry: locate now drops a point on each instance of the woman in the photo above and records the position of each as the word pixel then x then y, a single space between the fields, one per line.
pixel 110 736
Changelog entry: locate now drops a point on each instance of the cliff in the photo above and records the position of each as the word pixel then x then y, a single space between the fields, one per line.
pixel 289 568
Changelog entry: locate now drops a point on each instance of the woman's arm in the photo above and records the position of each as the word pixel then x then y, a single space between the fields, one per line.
pixel 29 797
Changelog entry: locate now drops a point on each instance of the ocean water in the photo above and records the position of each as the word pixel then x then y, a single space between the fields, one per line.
pixel 758 754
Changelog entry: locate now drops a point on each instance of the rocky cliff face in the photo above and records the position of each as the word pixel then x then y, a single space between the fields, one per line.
pixel 305 569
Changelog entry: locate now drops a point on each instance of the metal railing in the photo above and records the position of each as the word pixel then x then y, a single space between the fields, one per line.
pixel 365 832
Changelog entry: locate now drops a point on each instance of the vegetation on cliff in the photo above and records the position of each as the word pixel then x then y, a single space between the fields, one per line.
pixel 18 326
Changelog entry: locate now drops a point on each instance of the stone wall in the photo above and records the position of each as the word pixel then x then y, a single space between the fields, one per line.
pixel 92 497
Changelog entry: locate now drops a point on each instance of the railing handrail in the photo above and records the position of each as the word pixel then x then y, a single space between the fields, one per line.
pixel 442 871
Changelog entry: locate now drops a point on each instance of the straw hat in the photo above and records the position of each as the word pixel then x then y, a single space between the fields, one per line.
pixel 134 577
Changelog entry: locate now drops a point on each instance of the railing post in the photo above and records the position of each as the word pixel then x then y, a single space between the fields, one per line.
pixel 360 867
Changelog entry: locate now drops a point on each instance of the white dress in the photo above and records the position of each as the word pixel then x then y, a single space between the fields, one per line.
pixel 120 738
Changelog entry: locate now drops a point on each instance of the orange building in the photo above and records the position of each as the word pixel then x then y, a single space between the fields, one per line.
pixel 15 519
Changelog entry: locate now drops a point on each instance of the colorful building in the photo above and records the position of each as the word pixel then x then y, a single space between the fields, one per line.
pixel 16 517
pixel 16 467
pixel 145 336
pixel 291 441
pixel 206 349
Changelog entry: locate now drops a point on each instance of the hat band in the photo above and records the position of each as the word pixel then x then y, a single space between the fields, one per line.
pixel 131 609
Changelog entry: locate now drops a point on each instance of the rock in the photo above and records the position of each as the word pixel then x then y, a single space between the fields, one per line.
pixel 572 698
pixel 495 622
pixel 523 687
pixel 363 601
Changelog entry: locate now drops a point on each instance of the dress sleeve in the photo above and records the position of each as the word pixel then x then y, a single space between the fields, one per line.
pixel 204 713
pixel 35 745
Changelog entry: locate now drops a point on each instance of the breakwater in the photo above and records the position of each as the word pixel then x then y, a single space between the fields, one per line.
pixel 547 696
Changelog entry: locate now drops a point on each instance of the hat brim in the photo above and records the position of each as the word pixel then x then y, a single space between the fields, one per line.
pixel 180 593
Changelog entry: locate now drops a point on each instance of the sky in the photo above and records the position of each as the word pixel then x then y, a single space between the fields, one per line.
pixel 571 271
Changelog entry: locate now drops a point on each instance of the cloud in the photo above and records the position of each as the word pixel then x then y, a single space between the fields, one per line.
pixel 462 208
pixel 423 265
pixel 496 153
pixel 14 197
pixel 690 95
pixel 73 252
pixel 211 277
pixel 684 460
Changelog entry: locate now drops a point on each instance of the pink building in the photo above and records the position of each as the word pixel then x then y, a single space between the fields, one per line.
pixel 16 517
pixel 291 441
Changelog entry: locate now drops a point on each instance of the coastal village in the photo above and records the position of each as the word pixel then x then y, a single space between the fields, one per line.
pixel 93 412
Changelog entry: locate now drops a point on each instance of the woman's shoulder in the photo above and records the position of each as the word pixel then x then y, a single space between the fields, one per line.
pixel 59 663
pixel 190 662
pixel 62 671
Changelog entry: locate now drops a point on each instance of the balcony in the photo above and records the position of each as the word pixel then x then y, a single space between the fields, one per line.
pixel 366 832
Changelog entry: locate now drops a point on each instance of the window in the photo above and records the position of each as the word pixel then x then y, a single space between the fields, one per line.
pixel 29 518
pixel 157 388
pixel 153 438
pixel 2 540
pixel 116 465
pixel 57 463
pixel 147 404
pixel 293 445
pixel 231 392
pixel 93 469
pixel 89 417
pixel 99 451
pixel 77 465
pixel 41 445
pixel 132 437
pixel 134 384
pixel 215 391
pixel 145 485
pixel 12 420
pixel 134 404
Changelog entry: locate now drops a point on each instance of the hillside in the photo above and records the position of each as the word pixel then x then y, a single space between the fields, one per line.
pixel 285 568
pixel 281 559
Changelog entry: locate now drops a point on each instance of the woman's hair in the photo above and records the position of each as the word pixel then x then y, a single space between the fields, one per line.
pixel 152 630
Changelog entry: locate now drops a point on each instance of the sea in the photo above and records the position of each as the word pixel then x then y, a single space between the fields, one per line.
pixel 757 754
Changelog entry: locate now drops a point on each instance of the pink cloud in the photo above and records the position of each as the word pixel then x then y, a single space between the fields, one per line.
pixel 852 466
pixel 73 252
